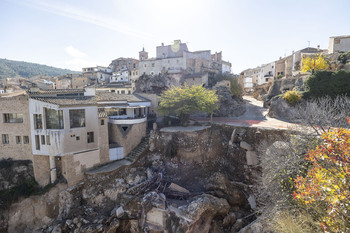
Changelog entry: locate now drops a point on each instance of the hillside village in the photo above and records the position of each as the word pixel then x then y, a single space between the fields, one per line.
pixel 68 127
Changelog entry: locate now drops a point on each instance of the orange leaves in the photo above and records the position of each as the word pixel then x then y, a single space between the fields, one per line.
pixel 328 180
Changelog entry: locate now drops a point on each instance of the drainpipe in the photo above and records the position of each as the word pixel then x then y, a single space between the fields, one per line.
pixel 53 172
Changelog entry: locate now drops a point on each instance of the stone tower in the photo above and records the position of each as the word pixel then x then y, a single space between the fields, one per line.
pixel 143 55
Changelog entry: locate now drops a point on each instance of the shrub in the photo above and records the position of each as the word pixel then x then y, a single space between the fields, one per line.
pixel 324 83
pixel 292 97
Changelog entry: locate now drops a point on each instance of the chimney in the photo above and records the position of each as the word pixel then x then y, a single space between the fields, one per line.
pixel 318 47
pixel 162 44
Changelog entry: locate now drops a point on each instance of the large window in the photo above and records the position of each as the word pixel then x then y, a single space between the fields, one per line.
pixel 38 123
pixel 18 140
pixel 5 139
pixel 13 118
pixel 77 118
pixel 54 119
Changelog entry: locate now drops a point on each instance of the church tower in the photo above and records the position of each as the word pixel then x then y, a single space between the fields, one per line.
pixel 143 55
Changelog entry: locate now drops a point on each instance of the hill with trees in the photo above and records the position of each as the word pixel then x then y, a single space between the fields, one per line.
pixel 10 69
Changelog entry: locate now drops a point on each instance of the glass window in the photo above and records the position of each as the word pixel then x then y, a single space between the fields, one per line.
pixel 77 118
pixel 43 139
pixel 18 140
pixel 5 139
pixel 37 142
pixel 13 118
pixel 37 121
pixel 54 118
pixel 48 141
pixel 25 139
pixel 102 122
pixel 90 137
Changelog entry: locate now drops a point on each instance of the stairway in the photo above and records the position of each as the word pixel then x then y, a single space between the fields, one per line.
pixel 134 154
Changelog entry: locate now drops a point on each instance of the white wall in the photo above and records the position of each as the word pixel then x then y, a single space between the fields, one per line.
pixel 63 141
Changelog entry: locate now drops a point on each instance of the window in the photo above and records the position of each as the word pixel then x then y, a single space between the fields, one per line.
pixel 152 64
pixel 123 92
pixel 77 118
pixel 90 137
pixel 37 142
pixel 102 122
pixel 13 118
pixel 18 140
pixel 145 65
pixel 25 140
pixel 112 90
pixel 337 41
pixel 43 139
pixel 37 121
pixel 77 138
pixel 48 141
pixel 5 139
pixel 54 118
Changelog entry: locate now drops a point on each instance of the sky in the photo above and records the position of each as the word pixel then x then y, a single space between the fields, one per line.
pixel 80 33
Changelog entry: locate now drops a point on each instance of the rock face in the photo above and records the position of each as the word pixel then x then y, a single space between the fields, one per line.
pixel 14 173
pixel 192 181
pixel 156 84
pixel 279 108
pixel 229 106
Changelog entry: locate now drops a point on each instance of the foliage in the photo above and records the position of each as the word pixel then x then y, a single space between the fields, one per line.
pixel 294 221
pixel 343 57
pixel 9 69
pixel 236 88
pixel 292 97
pixel 325 188
pixel 185 100
pixel 307 63
pixel 328 83
pixel 279 76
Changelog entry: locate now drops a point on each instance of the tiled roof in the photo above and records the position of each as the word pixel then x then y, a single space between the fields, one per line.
pixel 56 91
pixel 68 101
pixel 112 96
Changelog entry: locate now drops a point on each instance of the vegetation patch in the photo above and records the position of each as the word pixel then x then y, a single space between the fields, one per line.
pixel 292 97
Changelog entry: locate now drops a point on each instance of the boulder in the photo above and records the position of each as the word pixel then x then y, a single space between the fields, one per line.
pixel 229 105
pixel 246 146
pixel 198 215
pixel 280 109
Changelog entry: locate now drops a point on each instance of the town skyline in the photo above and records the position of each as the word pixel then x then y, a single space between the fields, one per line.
pixel 82 34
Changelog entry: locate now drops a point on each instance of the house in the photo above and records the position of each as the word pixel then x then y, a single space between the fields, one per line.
pixel 66 132
pixel 339 44
pixel 64 82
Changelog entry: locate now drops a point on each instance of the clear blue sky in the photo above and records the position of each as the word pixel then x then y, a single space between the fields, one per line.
pixel 79 33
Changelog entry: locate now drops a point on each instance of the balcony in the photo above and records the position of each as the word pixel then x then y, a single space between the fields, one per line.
pixel 126 120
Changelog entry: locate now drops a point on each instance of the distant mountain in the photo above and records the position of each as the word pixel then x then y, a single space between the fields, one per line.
pixel 9 69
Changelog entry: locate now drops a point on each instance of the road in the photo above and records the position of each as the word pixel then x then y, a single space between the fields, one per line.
pixel 255 116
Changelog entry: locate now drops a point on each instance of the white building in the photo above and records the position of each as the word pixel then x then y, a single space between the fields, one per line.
pixel 339 44
pixel 267 72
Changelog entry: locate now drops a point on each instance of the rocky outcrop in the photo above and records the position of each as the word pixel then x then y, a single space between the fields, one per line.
pixel 156 84
pixel 191 181
pixel 280 109
pixel 14 173
pixel 230 106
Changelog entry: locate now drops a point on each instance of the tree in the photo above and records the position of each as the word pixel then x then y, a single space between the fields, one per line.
pixel 325 188
pixel 313 63
pixel 185 100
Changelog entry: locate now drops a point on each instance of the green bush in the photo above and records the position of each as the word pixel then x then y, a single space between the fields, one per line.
pixel 328 83
pixel 292 97
pixel 343 57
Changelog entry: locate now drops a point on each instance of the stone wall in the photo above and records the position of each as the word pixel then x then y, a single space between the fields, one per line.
pixel 14 149
pixel 41 165
pixel 128 138
pixel 74 165
pixel 104 140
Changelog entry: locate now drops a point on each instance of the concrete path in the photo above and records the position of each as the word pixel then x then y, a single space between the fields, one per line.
pixel 255 116
pixel 108 167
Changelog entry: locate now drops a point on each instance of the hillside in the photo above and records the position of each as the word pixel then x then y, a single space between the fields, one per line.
pixel 9 68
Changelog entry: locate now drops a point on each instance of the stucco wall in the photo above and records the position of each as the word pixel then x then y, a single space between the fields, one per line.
pixel 74 165
pixel 41 166
pixel 103 140
pixel 129 139
pixel 18 104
